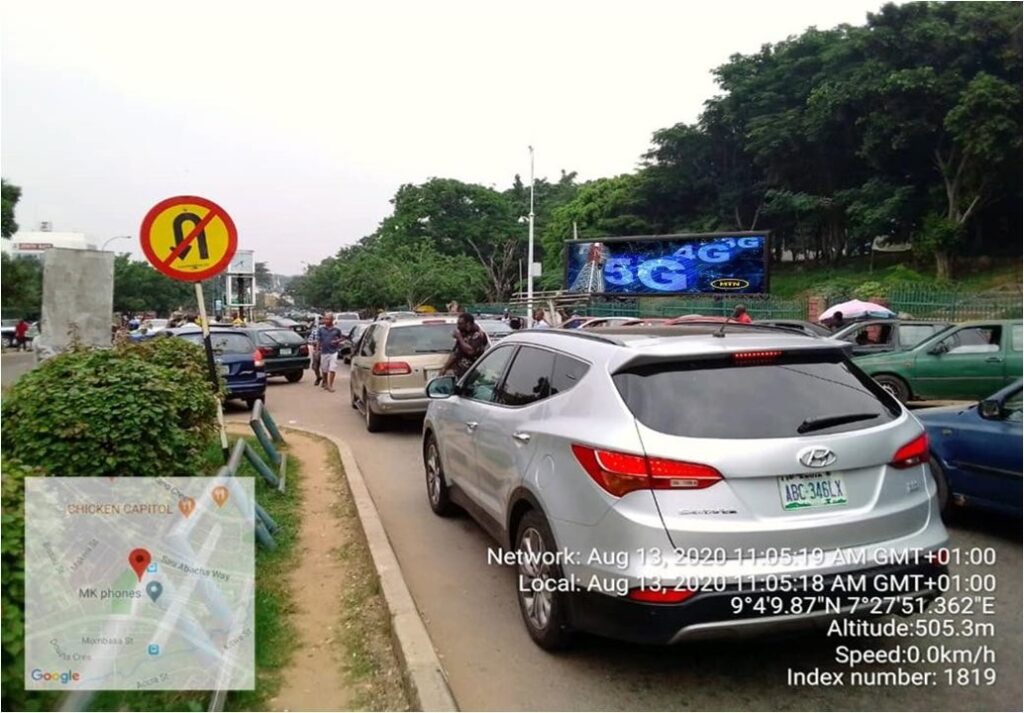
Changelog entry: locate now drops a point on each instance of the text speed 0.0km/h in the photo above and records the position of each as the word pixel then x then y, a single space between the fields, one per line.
pixel 188 238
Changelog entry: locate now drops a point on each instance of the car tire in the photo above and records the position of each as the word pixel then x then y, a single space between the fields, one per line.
pixel 294 376
pixel 896 386
pixel 437 488
pixel 941 486
pixel 374 422
pixel 545 613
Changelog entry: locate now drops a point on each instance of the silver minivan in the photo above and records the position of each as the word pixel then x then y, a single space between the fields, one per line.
pixel 666 483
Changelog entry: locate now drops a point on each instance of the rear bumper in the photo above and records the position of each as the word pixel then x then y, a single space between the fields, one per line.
pixel 385 404
pixel 712 614
pixel 285 365
pixel 248 389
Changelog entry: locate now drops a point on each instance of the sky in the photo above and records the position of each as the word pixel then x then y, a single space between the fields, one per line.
pixel 302 119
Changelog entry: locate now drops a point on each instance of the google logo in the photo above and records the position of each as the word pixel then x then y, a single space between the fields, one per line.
pixel 65 677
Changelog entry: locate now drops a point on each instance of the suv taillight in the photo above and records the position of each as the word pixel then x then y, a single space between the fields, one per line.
pixel 304 350
pixel 621 473
pixel 257 357
pixel 391 368
pixel 913 453
pixel 265 352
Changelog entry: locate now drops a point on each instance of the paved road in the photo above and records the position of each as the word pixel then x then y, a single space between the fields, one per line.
pixel 471 614
pixel 13 365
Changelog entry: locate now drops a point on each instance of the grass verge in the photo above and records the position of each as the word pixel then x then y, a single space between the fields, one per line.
pixel 371 667
pixel 274 636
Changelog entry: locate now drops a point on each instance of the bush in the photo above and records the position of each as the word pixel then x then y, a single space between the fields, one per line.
pixel 135 410
pixel 12 593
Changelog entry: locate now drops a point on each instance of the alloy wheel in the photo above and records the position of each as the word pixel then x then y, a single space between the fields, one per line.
pixel 535 574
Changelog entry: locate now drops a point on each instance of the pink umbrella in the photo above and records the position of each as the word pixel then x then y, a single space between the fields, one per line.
pixel 857 308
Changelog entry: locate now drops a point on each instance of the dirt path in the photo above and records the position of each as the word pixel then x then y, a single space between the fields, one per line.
pixel 315 677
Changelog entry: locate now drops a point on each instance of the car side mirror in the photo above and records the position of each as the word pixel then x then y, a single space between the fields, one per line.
pixel 441 387
pixel 939 349
pixel 991 410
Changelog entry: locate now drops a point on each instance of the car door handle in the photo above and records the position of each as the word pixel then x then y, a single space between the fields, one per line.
pixel 471 426
pixel 521 437
pixel 994 360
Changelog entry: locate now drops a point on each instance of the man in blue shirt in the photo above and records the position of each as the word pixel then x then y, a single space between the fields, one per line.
pixel 330 341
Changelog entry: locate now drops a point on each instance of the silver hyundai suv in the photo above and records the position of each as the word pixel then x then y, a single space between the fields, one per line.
pixel 666 483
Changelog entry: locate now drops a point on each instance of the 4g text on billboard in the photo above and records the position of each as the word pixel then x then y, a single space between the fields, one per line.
pixel 715 263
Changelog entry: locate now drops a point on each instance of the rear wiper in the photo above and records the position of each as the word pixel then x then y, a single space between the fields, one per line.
pixel 820 422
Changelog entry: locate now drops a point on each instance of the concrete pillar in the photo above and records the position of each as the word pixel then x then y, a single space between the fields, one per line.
pixel 78 300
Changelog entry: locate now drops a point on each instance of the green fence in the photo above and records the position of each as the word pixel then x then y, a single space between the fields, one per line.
pixel 758 307
pixel 955 306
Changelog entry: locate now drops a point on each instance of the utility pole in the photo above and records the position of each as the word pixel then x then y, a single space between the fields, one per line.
pixel 529 254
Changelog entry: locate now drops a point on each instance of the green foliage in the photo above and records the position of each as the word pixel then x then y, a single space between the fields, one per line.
pixel 22 286
pixel 11 194
pixel 134 410
pixel 12 592
pixel 138 288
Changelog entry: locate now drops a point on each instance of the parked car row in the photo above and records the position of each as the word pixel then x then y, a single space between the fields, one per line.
pixel 569 440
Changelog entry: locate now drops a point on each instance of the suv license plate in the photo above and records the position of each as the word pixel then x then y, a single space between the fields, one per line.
pixel 285 352
pixel 812 490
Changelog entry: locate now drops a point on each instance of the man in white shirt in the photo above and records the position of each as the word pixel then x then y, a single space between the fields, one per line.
pixel 538 320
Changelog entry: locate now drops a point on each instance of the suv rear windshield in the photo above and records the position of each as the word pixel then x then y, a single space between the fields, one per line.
pixel 720 399
pixel 224 342
pixel 279 337
pixel 420 339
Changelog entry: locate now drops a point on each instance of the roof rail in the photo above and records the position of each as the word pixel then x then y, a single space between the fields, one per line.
pixel 577 333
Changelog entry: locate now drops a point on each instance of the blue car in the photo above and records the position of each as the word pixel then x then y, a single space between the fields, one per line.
pixel 238 360
pixel 976 452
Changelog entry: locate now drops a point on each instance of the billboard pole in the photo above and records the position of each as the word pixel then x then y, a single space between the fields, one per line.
pixel 529 255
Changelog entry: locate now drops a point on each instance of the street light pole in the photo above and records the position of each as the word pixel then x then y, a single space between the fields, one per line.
pixel 529 254
pixel 116 237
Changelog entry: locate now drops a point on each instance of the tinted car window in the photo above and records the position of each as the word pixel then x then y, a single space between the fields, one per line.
pixel 970 340
pixel 567 373
pixel 481 382
pixel 279 337
pixel 224 343
pixel 913 334
pixel 369 344
pixel 420 339
pixel 1015 338
pixel 529 378
pixel 717 399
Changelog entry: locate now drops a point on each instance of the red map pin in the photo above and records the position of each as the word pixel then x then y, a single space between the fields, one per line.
pixel 139 559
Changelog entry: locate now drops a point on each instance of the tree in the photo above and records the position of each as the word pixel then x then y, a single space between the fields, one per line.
pixel 264 278
pixel 461 219
pixel 11 194
pixel 22 286
pixel 140 288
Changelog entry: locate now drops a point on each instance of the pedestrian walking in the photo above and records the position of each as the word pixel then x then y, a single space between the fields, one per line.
pixel 470 343
pixel 313 343
pixel 330 341
pixel 21 334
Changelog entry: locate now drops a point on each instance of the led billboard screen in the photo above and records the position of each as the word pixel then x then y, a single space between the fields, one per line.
pixel 714 263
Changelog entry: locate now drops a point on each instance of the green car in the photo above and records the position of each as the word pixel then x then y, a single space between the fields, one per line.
pixel 966 361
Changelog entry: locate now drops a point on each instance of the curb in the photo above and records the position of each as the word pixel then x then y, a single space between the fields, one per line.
pixel 424 676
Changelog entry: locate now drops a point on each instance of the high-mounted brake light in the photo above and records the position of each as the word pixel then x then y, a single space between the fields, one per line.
pixel 913 453
pixel 765 356
pixel 433 321
pixel 391 368
pixel 621 473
